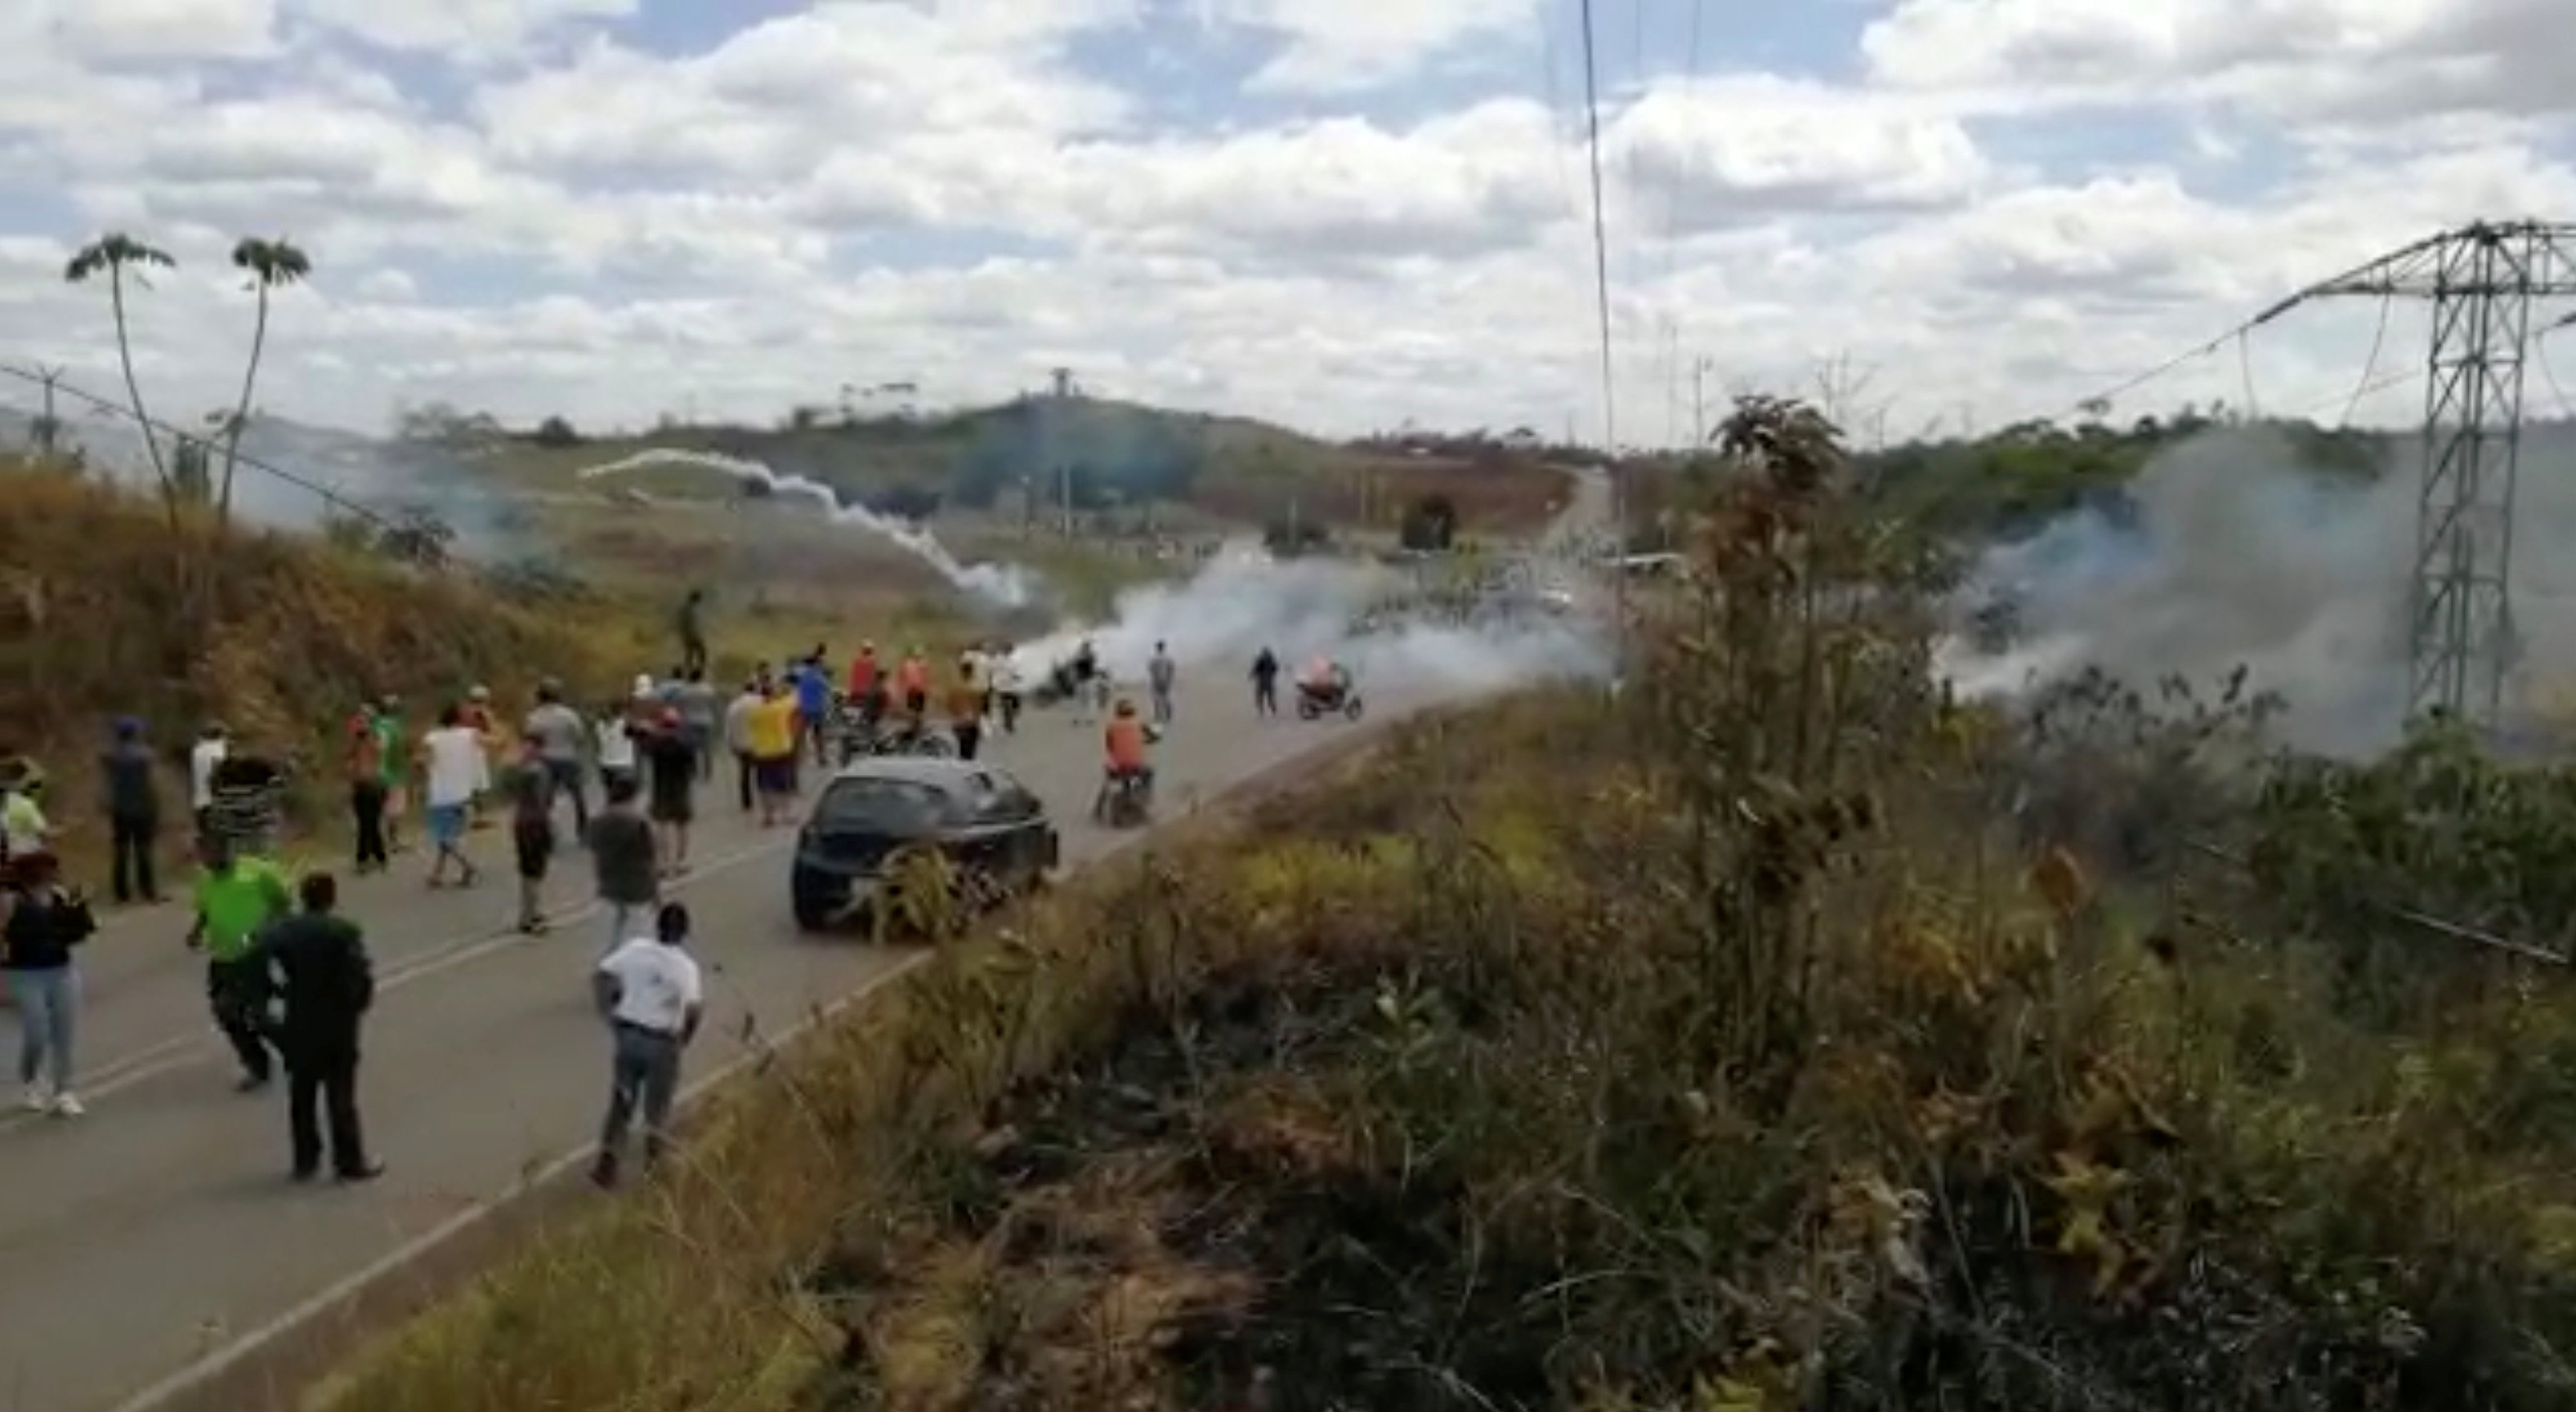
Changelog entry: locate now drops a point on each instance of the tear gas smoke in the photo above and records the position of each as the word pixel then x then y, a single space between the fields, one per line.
pixel 1003 585
pixel 2237 555
pixel 1244 599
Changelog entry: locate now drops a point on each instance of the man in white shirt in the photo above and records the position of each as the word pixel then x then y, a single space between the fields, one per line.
pixel 203 757
pixel 454 771
pixel 650 992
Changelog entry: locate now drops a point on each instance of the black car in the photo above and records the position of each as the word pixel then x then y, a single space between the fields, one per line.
pixel 994 833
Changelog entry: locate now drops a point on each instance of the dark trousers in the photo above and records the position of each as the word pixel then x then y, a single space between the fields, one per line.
pixel 322 1094
pixel 564 777
pixel 129 843
pixel 237 992
pixel 744 778
pixel 970 738
pixel 1265 696
pixel 693 654
pixel 367 809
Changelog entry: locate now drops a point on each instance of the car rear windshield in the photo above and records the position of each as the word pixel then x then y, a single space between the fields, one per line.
pixel 880 806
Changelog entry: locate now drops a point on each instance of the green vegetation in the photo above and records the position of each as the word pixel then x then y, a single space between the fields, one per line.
pixel 109 609
pixel 1776 1036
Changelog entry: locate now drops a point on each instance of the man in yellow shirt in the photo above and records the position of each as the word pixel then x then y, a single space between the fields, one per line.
pixel 769 731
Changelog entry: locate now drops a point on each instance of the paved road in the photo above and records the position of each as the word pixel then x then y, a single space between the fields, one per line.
pixel 160 1227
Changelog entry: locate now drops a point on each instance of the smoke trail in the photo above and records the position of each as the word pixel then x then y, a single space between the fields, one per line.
pixel 1244 600
pixel 2238 554
pixel 1004 585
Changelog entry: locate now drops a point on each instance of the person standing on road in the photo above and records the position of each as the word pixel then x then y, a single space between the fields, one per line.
pixel 814 703
pixel 1160 674
pixel 623 862
pixel 562 739
pixel 702 712
pixel 44 922
pixel 454 772
pixel 236 898
pixel 529 786
pixel 613 735
pixel 367 793
pixel 1265 683
pixel 693 630
pixel 671 765
pixel 203 757
pixel 737 735
pixel 317 960
pixel 651 994
pixel 133 813
pixel 1007 687
pixel 394 748
pixel 772 731
pixel 966 710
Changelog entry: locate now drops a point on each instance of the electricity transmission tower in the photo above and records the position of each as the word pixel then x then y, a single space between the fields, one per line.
pixel 2481 280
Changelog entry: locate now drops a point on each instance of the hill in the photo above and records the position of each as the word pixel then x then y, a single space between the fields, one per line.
pixel 1025 460
pixel 109 609
pixel 1773 1036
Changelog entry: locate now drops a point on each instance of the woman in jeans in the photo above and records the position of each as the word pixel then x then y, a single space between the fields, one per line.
pixel 44 922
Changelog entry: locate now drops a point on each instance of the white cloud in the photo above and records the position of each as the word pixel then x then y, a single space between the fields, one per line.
pixel 967 192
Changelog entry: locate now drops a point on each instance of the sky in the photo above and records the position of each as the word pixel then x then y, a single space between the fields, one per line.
pixel 1346 215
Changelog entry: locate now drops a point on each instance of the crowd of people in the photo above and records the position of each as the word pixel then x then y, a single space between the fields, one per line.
pixel 288 977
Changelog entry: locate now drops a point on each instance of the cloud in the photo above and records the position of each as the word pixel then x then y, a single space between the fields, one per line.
pixel 1343 215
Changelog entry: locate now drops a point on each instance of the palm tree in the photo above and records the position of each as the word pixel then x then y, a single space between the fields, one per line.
pixel 115 253
pixel 271 265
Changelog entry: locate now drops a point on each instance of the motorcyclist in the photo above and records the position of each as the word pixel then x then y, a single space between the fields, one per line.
pixel 1125 741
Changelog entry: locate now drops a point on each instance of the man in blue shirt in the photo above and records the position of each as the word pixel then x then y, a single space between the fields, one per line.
pixel 814 700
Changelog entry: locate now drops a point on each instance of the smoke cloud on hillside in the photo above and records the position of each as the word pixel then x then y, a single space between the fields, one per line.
pixel 1244 600
pixel 2238 556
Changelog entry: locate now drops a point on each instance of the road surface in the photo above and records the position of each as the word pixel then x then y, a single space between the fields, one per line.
pixel 160 1227
pixel 159 1232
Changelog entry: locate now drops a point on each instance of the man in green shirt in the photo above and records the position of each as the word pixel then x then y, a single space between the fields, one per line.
pixel 393 757
pixel 236 899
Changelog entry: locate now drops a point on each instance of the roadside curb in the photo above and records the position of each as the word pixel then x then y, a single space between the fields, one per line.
pixel 281 1363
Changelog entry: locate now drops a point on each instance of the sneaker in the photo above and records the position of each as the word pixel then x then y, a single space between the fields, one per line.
pixel 67 1106
pixel 36 1100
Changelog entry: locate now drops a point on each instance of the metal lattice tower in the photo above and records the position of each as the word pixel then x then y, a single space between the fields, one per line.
pixel 2481 280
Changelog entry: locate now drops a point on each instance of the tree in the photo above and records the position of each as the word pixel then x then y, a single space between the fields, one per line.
pixel 272 265
pixel 555 432
pixel 114 254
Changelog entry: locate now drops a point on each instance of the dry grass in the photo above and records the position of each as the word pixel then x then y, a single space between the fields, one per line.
pixel 1752 1043
pixel 104 611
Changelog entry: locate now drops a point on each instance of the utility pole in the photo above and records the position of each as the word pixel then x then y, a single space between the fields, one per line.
pixel 1061 393
pixel 2481 279
pixel 1699 403
pixel 49 427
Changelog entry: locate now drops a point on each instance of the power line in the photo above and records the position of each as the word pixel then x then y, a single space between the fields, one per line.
pixel 53 383
pixel 1600 232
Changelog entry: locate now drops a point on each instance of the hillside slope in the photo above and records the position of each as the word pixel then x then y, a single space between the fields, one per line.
pixel 1001 459
pixel 105 611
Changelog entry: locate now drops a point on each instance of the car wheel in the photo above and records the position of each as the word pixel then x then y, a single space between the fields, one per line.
pixel 812 915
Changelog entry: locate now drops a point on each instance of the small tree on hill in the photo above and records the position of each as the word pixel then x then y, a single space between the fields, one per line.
pixel 115 254
pixel 271 265
pixel 555 432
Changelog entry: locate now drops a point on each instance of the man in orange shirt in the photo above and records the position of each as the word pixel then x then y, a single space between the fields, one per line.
pixel 1125 739
pixel 863 673
pixel 912 685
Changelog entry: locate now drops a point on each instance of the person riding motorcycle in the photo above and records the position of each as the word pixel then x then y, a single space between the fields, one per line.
pixel 1125 740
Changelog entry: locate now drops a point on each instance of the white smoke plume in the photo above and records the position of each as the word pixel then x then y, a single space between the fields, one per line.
pixel 1002 585
pixel 2236 555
